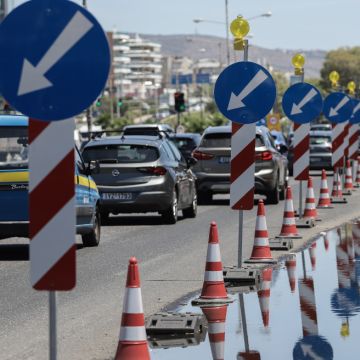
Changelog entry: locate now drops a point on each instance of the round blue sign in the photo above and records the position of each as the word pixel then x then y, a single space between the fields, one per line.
pixel 338 107
pixel 57 59
pixel 355 117
pixel 245 92
pixel 313 347
pixel 302 103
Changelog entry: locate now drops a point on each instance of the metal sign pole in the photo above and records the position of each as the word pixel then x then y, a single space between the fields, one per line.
pixel 243 321
pixel 300 199
pixel 52 325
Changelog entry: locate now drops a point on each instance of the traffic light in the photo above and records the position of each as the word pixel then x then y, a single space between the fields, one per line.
pixel 98 102
pixel 120 102
pixel 179 102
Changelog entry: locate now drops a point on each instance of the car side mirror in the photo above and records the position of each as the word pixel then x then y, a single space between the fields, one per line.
pixel 93 167
pixel 283 149
pixel 191 161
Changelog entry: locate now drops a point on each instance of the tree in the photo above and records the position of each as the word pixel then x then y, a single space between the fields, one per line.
pixel 346 61
pixel 281 86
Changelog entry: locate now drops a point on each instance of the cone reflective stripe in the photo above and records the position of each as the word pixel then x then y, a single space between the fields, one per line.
pixel 324 198
pixel 213 290
pixel 261 249
pixel 348 176
pixel 310 208
pixel 312 252
pixel 132 340
pixel 301 151
pixel 289 228
pixel 291 271
pixel 308 307
pixel 216 317
pixel 337 187
pixel 264 295
pixel 338 145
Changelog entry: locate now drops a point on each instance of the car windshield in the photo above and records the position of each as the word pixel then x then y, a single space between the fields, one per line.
pixel 13 147
pixel 320 140
pixel 121 153
pixel 217 140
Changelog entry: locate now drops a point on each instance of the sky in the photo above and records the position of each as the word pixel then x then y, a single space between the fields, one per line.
pixel 294 24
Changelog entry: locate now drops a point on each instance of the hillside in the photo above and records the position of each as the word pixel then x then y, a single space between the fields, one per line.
pixel 203 46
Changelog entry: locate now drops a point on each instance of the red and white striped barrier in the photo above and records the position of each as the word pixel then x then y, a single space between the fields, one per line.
pixel 301 151
pixel 353 141
pixel 291 271
pixel 216 317
pixel 342 266
pixel 132 340
pixel 264 295
pixel 242 166
pixel 356 238
pixel 347 137
pixel 338 145
pixel 213 290
pixel 308 307
pixel 52 212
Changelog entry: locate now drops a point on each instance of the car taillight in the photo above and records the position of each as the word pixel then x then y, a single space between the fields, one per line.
pixel 153 170
pixel 264 155
pixel 198 155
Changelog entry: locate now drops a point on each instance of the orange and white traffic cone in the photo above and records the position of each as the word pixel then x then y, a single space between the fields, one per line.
pixel 312 252
pixel 290 264
pixel 348 186
pixel 216 318
pixel 310 208
pixel 132 341
pixel 324 198
pixel 213 291
pixel 336 193
pixel 261 250
pixel 289 229
pixel 264 295
pixel 357 179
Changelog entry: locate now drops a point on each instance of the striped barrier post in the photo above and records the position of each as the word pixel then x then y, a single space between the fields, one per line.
pixel 301 157
pixel 353 141
pixel 338 145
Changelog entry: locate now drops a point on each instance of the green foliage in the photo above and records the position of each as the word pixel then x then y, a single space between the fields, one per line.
pixel 346 61
pixel 105 121
pixel 282 85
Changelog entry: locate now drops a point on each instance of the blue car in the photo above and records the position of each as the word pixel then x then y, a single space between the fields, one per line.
pixel 14 178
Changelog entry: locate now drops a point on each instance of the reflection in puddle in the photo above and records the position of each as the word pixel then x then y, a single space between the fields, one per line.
pixel 307 308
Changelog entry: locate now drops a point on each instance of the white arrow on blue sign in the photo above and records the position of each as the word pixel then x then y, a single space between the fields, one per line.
pixel 245 92
pixel 338 107
pixel 313 347
pixel 302 103
pixel 57 59
pixel 355 117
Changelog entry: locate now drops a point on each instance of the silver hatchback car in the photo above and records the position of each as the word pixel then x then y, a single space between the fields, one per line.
pixel 213 167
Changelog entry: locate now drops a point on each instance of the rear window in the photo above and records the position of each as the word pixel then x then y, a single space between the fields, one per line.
pixel 184 143
pixel 216 140
pixel 121 153
pixel 259 141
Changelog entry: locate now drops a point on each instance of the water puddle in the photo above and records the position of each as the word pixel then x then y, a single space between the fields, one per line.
pixel 306 308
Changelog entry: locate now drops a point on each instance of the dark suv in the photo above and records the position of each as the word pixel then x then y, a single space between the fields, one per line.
pixel 213 167
pixel 142 174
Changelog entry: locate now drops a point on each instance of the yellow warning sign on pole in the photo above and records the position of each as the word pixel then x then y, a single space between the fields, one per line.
pixel 273 122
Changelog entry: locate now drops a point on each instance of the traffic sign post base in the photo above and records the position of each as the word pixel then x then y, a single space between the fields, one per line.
pixel 279 244
pixel 305 223
pixel 288 237
pixel 234 288
pixel 245 275
pixel 339 201
pixel 214 302
pixel 325 207
pixel 260 261
pixel 347 193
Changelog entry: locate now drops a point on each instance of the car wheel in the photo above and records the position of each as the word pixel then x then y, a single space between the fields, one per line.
pixel 282 192
pixel 191 211
pixel 273 196
pixel 93 238
pixel 170 215
pixel 204 197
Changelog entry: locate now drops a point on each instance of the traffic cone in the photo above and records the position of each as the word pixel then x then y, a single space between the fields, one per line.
pixel 248 355
pixel 216 318
pixel 288 228
pixel 310 208
pixel 264 295
pixel 312 253
pixel 348 186
pixel 290 264
pixel 132 341
pixel 336 193
pixel 213 291
pixel 261 250
pixel 324 198
pixel 357 180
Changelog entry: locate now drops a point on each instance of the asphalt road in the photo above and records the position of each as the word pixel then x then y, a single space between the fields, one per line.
pixel 172 260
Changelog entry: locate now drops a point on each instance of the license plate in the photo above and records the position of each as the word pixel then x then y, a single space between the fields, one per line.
pixel 224 159
pixel 117 196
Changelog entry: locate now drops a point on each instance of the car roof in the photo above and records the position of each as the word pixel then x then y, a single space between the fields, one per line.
pixel 127 140
pixel 163 127
pixel 227 129
pixel 13 120
pixel 186 135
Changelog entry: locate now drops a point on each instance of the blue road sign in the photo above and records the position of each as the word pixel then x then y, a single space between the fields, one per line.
pixel 57 59
pixel 338 107
pixel 355 117
pixel 245 92
pixel 181 79
pixel 302 103
pixel 313 347
pixel 203 78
